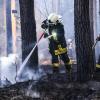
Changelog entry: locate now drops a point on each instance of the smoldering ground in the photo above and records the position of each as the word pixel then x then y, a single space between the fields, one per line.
pixel 9 69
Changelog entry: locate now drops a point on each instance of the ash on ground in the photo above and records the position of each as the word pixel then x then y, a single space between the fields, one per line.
pixel 53 87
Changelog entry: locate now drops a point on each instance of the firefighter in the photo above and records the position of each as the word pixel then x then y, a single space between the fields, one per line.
pixel 98 63
pixel 57 42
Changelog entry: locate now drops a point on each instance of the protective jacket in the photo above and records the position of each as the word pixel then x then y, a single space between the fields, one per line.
pixel 57 44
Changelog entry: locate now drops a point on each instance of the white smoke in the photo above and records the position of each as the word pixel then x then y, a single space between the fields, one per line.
pixel 30 74
pixel 8 71
pixel 8 67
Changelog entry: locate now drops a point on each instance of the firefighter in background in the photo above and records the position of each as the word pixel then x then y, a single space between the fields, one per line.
pixel 98 63
pixel 57 42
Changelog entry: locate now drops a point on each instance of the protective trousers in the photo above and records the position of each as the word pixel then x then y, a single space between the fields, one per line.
pixel 55 61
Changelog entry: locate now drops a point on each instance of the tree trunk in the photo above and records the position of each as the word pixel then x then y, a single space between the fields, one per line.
pixel 9 26
pixel 83 40
pixel 28 30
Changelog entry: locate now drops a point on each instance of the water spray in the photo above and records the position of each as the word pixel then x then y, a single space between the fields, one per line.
pixel 29 55
pixel 27 58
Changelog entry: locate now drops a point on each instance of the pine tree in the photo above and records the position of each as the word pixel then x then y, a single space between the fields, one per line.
pixel 83 40
pixel 28 31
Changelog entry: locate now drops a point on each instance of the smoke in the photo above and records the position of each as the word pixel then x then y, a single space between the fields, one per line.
pixel 30 74
pixel 8 67
pixel 32 91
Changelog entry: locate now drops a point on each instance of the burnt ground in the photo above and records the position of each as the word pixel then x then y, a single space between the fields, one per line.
pixel 53 87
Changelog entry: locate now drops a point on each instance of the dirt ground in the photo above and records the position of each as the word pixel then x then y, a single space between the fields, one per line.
pixel 53 87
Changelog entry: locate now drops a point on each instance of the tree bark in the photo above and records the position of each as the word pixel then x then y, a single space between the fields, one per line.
pixel 9 27
pixel 83 40
pixel 28 31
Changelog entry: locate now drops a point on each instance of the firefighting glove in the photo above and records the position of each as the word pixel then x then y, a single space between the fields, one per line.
pixel 46 35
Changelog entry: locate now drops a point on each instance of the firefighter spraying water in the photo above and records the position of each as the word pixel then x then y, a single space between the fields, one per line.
pixel 57 43
pixel 28 57
pixel 54 31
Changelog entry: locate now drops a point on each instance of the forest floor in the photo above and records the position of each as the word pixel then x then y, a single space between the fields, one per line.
pixel 51 87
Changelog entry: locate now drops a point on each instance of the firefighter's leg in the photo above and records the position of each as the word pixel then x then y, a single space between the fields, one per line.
pixel 55 64
pixel 67 63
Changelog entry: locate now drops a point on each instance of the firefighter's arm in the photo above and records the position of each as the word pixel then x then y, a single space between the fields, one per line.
pixel 44 24
pixel 98 38
pixel 61 30
pixel 45 34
